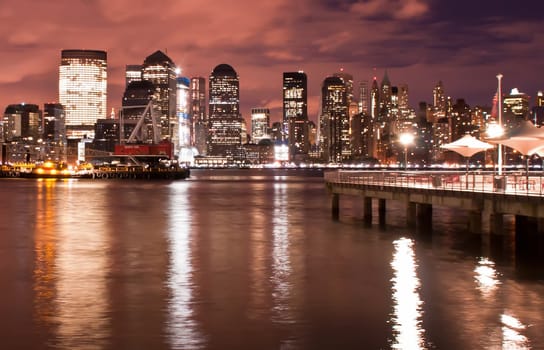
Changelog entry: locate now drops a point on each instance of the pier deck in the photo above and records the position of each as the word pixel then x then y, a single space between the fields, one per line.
pixel 483 195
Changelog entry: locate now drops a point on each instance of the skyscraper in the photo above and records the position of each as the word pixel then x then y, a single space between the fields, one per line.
pixel 225 126
pixel 363 97
pixel 83 90
pixel 54 130
pixel 198 113
pixel 160 70
pixel 182 138
pixel 133 72
pixel 295 112
pixel 260 123
pixel 348 81
pixel 334 123
pixel 137 95
pixel 22 122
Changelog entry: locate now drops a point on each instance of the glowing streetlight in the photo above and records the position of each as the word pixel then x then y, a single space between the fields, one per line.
pixel 406 139
pixel 499 107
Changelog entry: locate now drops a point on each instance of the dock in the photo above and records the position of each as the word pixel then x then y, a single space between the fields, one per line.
pixel 484 195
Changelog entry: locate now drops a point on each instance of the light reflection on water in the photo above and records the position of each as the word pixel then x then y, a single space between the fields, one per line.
pixel 407 313
pixel 182 328
pixel 512 338
pixel 281 268
pixel 240 260
pixel 82 268
pixel 486 277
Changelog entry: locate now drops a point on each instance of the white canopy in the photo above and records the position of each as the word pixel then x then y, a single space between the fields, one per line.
pixel 526 138
pixel 467 146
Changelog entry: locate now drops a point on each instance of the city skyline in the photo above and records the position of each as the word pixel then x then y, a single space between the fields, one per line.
pixel 418 43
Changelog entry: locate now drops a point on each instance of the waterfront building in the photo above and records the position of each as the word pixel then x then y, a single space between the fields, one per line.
pixel 22 123
pixel 54 127
pixel 295 112
pixel 198 114
pixel 276 132
pixel 182 137
pixel 225 121
pixel 160 70
pixel 106 135
pixel 334 121
pixel 515 108
pixel 136 98
pixel 537 113
pixel 362 137
pixel 260 124
pixel 461 120
pixel 54 131
pixel 83 90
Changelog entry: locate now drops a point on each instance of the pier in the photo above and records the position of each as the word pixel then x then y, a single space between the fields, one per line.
pixel 484 195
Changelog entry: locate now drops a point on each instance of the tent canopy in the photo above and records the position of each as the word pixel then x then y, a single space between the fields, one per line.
pixel 526 138
pixel 467 146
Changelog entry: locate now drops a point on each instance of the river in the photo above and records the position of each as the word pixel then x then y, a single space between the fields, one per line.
pixel 252 259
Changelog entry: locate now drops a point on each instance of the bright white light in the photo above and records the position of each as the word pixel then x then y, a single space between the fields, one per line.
pixel 494 130
pixel 406 138
pixel 512 338
pixel 407 315
pixel 486 276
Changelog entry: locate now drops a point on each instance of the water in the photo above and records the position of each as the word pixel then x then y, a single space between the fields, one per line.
pixel 249 259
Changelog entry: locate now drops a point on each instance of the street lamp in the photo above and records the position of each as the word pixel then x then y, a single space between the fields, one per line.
pixel 406 139
pixel 499 107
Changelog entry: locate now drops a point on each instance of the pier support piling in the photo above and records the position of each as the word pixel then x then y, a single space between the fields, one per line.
pixel 496 223
pixel 367 210
pixel 475 221
pixel 425 216
pixel 335 206
pixel 381 211
pixel 411 213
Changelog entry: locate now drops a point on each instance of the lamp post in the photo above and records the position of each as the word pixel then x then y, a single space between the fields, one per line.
pixel 499 107
pixel 406 139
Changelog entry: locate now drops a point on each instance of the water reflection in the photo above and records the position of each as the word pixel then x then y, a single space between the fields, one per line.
pixel 45 249
pixel 259 220
pixel 512 338
pixel 82 269
pixel 281 268
pixel 181 326
pixel 407 309
pixel 486 277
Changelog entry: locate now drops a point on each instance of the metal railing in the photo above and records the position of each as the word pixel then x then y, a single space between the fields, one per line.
pixel 516 183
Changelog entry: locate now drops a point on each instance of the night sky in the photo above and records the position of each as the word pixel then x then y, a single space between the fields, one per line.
pixel 464 43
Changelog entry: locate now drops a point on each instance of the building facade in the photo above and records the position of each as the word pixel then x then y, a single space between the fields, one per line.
pixel 295 112
pixel 334 125
pixel 83 90
pixel 260 124
pixel 198 114
pixel 160 70
pixel 225 122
